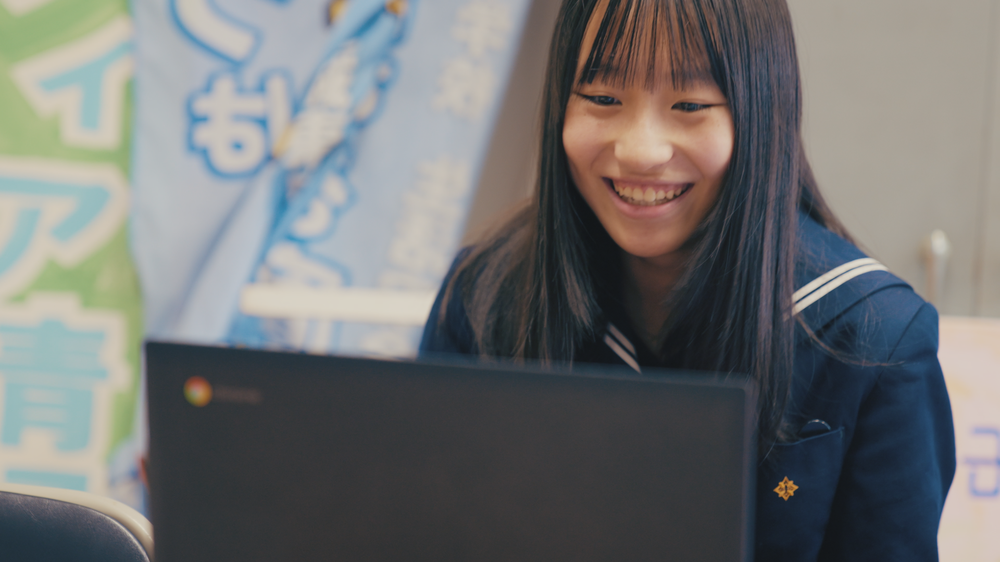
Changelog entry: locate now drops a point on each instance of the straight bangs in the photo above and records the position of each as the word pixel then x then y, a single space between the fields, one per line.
pixel 644 43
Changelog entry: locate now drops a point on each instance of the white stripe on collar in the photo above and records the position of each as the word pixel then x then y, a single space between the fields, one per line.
pixel 620 352
pixel 621 338
pixel 822 279
pixel 824 284
pixel 803 298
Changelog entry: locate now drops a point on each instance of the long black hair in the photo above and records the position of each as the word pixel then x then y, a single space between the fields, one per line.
pixel 532 290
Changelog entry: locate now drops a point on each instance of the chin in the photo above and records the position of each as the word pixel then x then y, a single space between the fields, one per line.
pixel 645 250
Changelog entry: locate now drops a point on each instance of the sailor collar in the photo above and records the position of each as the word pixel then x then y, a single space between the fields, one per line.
pixel 831 276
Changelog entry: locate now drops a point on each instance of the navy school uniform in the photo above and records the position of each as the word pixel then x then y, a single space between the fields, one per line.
pixel 867 477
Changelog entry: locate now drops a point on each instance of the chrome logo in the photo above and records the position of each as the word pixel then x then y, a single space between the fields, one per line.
pixel 197 391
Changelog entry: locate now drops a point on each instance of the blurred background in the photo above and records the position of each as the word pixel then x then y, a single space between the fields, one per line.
pixel 298 174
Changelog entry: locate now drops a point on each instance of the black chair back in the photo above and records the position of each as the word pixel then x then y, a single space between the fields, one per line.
pixel 46 530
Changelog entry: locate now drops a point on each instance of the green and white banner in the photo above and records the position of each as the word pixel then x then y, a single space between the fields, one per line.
pixel 70 313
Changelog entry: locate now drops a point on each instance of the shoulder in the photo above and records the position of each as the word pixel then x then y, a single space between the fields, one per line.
pixel 861 330
pixel 448 330
pixel 866 359
pixel 875 455
pixel 842 294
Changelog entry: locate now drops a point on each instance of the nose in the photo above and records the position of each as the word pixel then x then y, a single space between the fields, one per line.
pixel 645 143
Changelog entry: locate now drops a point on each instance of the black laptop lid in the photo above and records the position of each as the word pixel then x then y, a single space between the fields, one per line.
pixel 272 456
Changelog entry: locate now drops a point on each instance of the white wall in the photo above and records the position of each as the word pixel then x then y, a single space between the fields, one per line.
pixel 900 127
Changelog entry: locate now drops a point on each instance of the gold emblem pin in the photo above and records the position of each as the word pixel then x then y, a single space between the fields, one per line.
pixel 786 489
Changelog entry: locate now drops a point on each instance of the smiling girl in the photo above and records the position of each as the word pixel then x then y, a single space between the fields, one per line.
pixel 677 224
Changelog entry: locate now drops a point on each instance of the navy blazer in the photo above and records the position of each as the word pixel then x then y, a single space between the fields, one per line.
pixel 875 455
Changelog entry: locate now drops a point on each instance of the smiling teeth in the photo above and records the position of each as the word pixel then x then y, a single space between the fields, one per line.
pixel 637 196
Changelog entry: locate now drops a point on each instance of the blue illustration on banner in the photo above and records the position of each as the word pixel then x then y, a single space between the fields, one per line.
pixel 54 211
pixel 233 127
pixel 83 83
pixel 322 182
pixel 214 30
pixel 984 476
pixel 237 129
pixel 315 155
pixel 60 367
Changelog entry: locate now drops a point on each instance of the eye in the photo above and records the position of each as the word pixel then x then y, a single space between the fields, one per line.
pixel 601 100
pixel 689 107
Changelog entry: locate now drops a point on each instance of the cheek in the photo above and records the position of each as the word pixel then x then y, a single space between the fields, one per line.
pixel 573 146
pixel 717 159
pixel 578 139
pixel 717 150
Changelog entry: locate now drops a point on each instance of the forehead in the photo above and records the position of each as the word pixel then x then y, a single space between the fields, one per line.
pixel 644 43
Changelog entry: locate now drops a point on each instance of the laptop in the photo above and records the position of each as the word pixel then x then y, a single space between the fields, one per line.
pixel 259 455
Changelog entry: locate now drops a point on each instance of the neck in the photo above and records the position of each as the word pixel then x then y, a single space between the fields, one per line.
pixel 646 283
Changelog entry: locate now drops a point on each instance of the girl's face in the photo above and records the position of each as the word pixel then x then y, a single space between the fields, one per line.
pixel 649 163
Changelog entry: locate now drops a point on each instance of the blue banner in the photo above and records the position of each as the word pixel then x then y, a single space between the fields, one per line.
pixel 303 168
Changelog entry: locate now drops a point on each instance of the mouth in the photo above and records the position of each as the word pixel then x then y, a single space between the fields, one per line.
pixel 645 195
